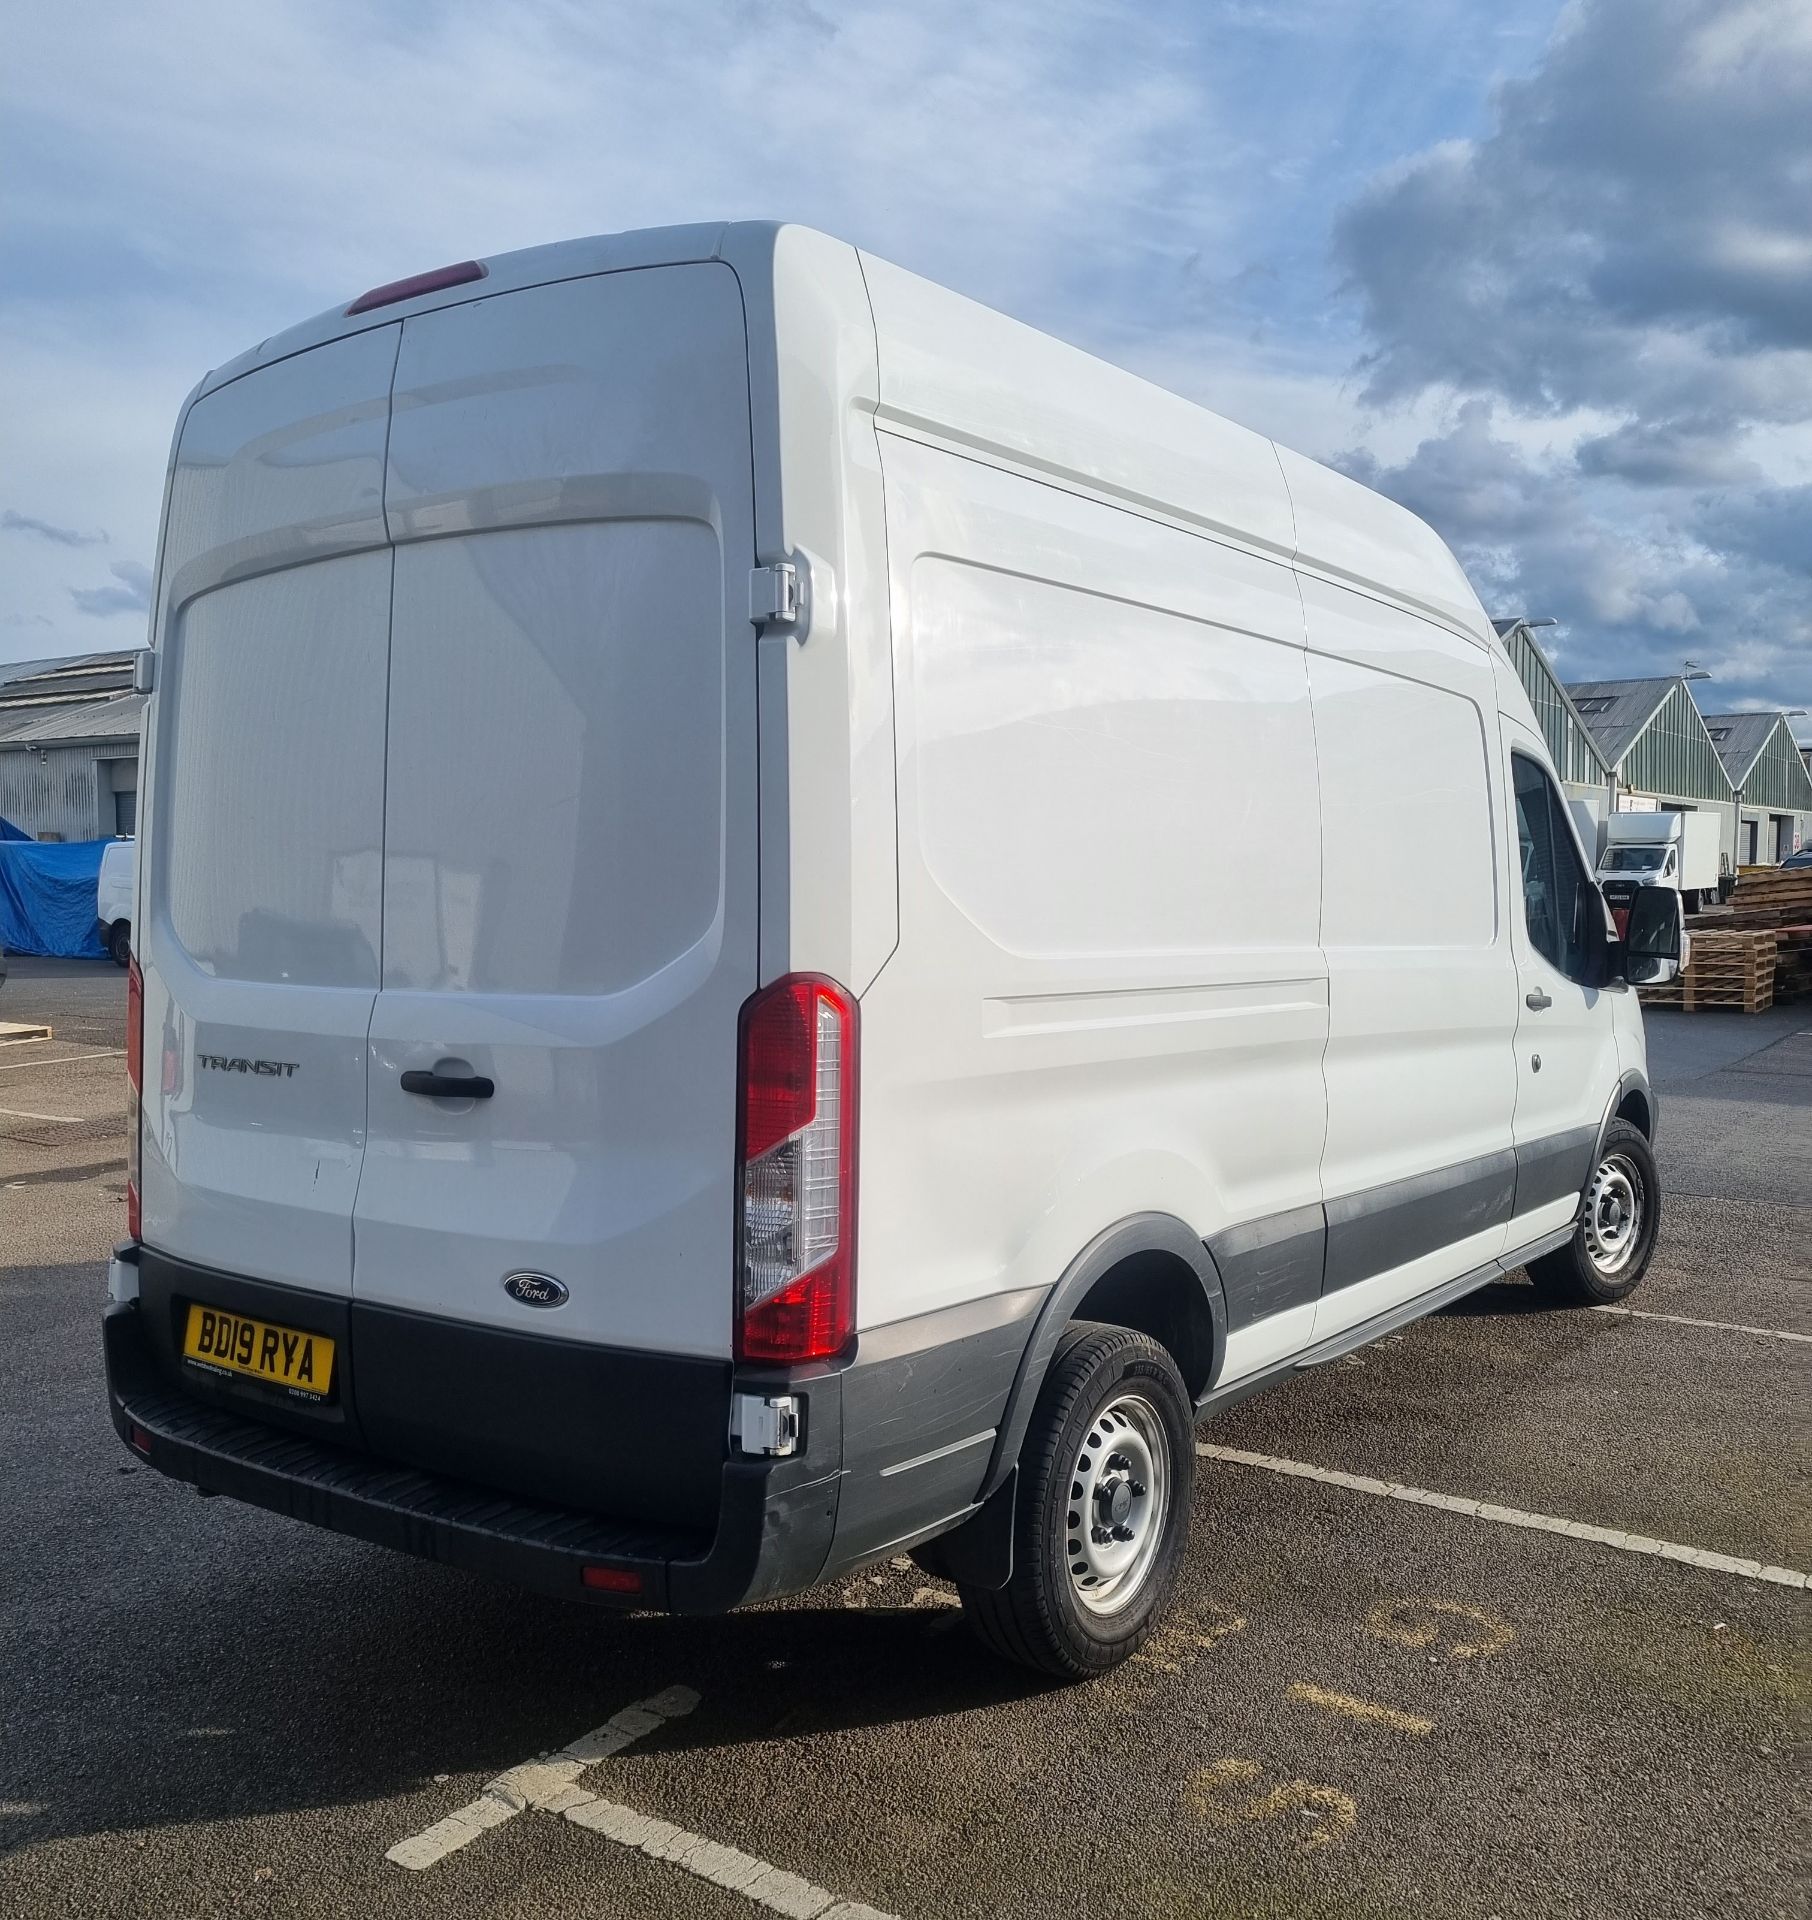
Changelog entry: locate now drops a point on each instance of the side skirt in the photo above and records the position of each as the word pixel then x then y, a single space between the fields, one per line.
pixel 1351 1339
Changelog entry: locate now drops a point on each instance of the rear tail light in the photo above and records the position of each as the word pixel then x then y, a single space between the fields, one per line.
pixel 796 1241
pixel 135 1083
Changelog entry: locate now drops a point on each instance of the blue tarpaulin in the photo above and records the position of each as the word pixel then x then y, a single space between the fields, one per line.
pixel 47 897
pixel 9 832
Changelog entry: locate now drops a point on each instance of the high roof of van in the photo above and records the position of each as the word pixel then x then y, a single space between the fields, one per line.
pixel 958 373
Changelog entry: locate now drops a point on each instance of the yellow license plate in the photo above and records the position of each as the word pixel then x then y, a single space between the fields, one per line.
pixel 235 1343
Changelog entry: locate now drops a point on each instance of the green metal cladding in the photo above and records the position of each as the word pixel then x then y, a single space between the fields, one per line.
pixel 1674 754
pixel 1779 777
pixel 1575 753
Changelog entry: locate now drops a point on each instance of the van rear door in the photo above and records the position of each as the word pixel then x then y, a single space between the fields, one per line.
pixel 569 823
pixel 263 839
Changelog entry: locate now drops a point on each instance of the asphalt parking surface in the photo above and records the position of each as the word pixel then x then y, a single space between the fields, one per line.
pixel 1362 1706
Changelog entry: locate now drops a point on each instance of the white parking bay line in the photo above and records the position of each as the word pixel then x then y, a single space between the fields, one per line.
pixel 63 1060
pixel 1717 1326
pixel 755 1879
pixel 544 1783
pixel 52 1119
pixel 1511 1516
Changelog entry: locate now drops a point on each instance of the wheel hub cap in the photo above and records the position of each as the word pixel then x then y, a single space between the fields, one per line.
pixel 1119 1503
pixel 1114 1498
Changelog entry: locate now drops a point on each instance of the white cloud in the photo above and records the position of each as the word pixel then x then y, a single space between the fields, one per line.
pixel 193 175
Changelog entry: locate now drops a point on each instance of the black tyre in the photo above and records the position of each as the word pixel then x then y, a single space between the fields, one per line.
pixel 119 943
pixel 1614 1240
pixel 1102 1510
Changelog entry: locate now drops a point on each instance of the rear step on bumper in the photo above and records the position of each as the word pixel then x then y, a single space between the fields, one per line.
pixel 769 1539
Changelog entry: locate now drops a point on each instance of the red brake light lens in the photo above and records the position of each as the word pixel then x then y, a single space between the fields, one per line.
pixel 611 1579
pixel 796 1233
pixel 417 284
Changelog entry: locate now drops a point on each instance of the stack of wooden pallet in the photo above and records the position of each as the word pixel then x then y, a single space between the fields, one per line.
pixel 1781 903
pixel 1733 970
pixel 1793 963
pixel 1773 898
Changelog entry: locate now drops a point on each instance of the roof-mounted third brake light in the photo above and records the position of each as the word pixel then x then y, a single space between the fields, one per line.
pixel 386 296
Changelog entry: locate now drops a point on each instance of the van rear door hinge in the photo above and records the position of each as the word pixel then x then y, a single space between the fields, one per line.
pixel 774 595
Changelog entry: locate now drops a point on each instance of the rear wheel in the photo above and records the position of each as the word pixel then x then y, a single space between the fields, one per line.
pixel 119 943
pixel 1614 1238
pixel 1102 1509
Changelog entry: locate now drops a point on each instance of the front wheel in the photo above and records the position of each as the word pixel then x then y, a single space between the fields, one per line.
pixel 1614 1238
pixel 1102 1510
pixel 119 943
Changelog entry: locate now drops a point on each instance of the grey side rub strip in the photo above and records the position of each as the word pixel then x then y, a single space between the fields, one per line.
pixel 1371 1232
pixel 1289 1259
pixel 1268 1265
pixel 1551 1169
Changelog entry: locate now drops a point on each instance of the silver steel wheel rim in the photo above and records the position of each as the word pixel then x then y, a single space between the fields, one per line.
pixel 1613 1213
pixel 1119 1501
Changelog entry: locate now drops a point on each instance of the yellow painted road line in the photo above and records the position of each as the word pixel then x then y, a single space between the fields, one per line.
pixel 1357 1709
pixel 1717 1326
pixel 1511 1516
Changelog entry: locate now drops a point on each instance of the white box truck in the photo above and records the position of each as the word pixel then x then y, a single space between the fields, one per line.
pixel 750 951
pixel 1678 848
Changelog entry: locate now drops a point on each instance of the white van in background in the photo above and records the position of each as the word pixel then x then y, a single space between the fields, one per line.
pixel 786 922
pixel 116 893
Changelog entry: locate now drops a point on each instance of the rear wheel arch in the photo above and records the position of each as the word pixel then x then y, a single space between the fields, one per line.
pixel 1150 1272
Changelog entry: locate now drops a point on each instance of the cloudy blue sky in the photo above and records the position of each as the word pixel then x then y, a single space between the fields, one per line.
pixel 1542 271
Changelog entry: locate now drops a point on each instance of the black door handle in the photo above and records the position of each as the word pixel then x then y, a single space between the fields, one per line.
pixel 449 1086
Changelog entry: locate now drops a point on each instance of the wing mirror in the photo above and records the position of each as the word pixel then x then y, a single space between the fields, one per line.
pixel 1654 937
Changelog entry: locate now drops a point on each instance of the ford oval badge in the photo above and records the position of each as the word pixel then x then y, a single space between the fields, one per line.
pixel 536 1289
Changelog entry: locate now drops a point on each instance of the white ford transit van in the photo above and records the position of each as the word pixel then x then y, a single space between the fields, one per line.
pixel 116 890
pixel 783 922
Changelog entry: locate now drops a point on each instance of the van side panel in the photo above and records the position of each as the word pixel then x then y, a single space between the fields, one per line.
pixel 570 885
pixel 264 824
pixel 830 888
pixel 975 379
pixel 1418 1172
pixel 1356 537
pixel 1108 998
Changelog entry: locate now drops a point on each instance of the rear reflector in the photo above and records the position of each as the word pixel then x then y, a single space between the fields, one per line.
pixel 796 1293
pixel 141 1441
pixel 612 1579
pixel 420 283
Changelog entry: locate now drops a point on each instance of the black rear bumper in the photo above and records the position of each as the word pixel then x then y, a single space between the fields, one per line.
pixel 773 1529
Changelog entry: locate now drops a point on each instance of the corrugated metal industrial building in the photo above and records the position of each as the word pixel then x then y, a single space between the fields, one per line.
pixel 1774 785
pixel 69 746
pixel 1644 743
pixel 1653 736
pixel 1584 771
